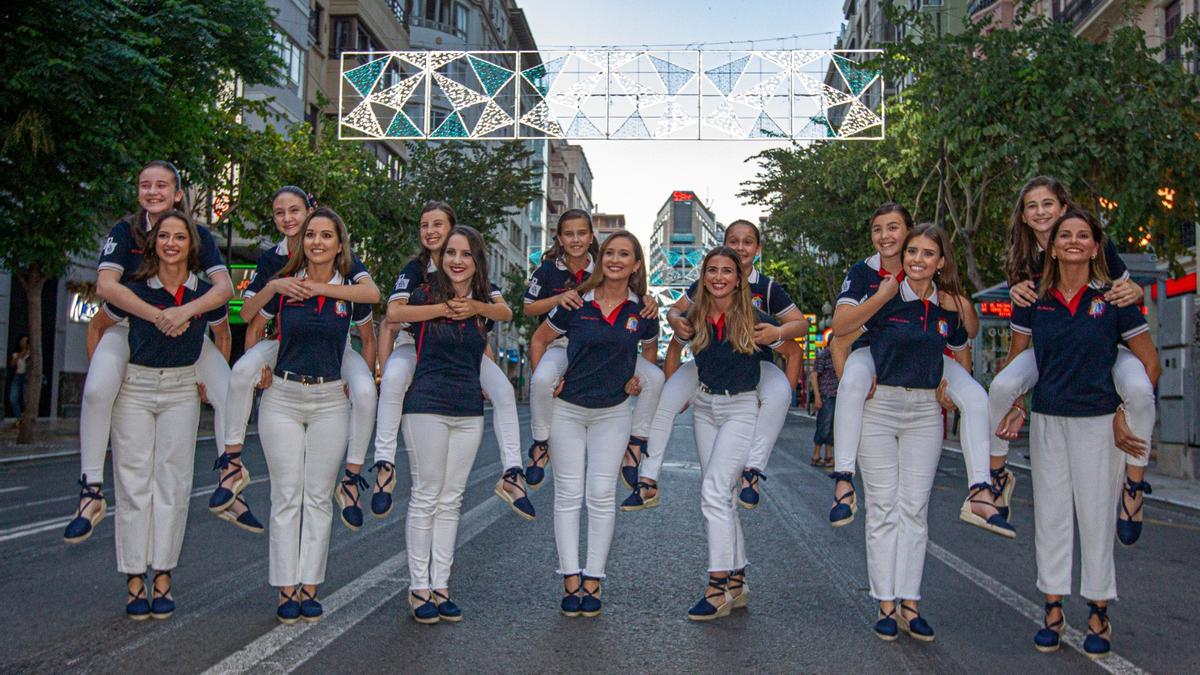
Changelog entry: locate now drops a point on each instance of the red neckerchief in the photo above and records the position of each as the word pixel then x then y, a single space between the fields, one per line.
pixel 579 275
pixel 611 318
pixel 1074 303
pixel 719 324
pixel 179 295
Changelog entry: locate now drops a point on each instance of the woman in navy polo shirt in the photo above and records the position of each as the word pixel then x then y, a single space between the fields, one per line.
pixel 774 387
pixel 290 206
pixel 723 320
pixel 868 286
pixel 159 190
pixel 902 424
pixel 436 221
pixel 304 416
pixel 1076 463
pixel 1040 203
pixel 564 266
pixel 591 419
pixel 443 412
pixel 156 412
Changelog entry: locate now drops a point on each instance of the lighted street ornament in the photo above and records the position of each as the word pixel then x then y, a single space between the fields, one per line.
pixel 857 78
pixel 491 76
pixel 674 77
pixel 725 77
pixel 363 78
pixel 493 119
pixel 363 119
pixel 539 118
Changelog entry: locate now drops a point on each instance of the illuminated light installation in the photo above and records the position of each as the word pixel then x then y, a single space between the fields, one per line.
pixel 611 94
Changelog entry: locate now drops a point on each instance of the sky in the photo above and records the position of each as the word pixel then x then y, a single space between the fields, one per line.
pixel 636 177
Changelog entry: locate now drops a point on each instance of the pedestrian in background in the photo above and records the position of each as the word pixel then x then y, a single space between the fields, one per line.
pixel 822 383
pixel 19 362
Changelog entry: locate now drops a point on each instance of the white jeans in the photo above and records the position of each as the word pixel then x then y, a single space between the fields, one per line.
pixel 303 429
pixel 1129 377
pixel 587 442
pixel 398 374
pixel 248 370
pixel 441 451
pixel 963 389
pixel 105 372
pixel 1077 471
pixel 724 427
pixel 154 446
pixel 898 455
pixel 774 395
pixel 550 371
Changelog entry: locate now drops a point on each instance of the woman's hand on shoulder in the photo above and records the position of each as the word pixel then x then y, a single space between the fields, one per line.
pixel 1125 293
pixel 1023 294
pixel 650 311
pixel 570 300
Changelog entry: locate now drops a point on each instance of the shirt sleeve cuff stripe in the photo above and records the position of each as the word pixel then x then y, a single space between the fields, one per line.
pixel 216 269
pixel 1134 332
pixel 1020 329
pixel 111 266
pixel 848 301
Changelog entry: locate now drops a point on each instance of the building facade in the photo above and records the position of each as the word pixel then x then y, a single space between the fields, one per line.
pixel 606 224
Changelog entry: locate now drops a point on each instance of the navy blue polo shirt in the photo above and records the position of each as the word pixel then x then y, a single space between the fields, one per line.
pixel 1075 345
pixel 552 278
pixel 312 332
pixel 120 253
pixel 1117 271
pixel 768 297
pixel 449 352
pixel 149 346
pixel 724 370
pixel 909 336
pixel 602 351
pixel 412 276
pixel 861 282
pixel 272 260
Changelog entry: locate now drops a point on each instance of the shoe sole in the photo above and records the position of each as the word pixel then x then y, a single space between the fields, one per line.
pixel 1097 657
pixel 741 601
pixel 428 622
pixel 507 499
pixel 904 628
pixel 286 622
pixel 383 515
pixel 568 614
pixel 162 617
pixel 241 484
pixel 451 619
pixel 747 506
pixel 846 521
pixel 232 520
pixel 311 619
pixel 653 503
pixel 591 614
pixel 95 520
pixel 975 519
pixel 138 617
pixel 352 528
pixel 886 638
pixel 722 612
pixel 1047 650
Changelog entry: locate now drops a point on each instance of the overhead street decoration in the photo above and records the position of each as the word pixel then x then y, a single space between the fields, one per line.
pixel 611 94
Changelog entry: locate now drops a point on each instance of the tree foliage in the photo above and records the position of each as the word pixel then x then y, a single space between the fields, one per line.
pixel 986 109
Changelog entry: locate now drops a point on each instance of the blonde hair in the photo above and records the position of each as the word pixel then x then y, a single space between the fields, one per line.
pixel 1097 267
pixel 637 280
pixel 297 259
pixel 739 318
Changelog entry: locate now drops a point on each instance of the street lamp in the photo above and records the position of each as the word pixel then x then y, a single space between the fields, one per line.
pixel 521 344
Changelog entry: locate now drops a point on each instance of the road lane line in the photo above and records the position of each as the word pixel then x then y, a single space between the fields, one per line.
pixel 28 529
pixel 14 489
pixel 383 583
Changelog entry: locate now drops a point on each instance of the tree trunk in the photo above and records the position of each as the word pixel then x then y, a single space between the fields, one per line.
pixel 972 265
pixel 33 282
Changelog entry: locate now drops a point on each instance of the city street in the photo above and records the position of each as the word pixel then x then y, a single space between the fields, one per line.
pixel 808 611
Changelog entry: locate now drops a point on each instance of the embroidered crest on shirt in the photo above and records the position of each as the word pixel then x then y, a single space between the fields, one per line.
pixel 943 328
pixel 109 246
pixel 339 308
pixel 845 285
pixel 401 282
pixel 631 324
pixel 757 301
pixel 1096 309
pixel 534 286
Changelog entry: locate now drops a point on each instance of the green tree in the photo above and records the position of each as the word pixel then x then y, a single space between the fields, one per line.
pixel 93 89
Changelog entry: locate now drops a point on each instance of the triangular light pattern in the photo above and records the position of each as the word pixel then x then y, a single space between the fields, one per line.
pixel 363 78
pixel 633 127
pixel 725 77
pixel 398 94
pixel 674 77
pixel 493 118
pixel 641 93
pixel 459 95
pixel 857 119
pixel 857 78
pixel 725 119
pixel 491 76
pixel 539 118
pixel 452 127
pixel 543 75
pixel 439 59
pixel 582 127
pixel 765 127
pixel 674 118
pixel 402 127
pixel 760 94
pixel 363 119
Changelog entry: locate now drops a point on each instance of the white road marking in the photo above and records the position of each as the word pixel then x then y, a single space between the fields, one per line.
pixel 14 489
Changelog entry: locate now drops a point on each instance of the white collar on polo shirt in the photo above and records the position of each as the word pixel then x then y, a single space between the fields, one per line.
pixel 753 278
pixel 874 262
pixel 281 247
pixel 336 280
pixel 590 296
pixel 190 282
pixel 907 294
pixel 560 263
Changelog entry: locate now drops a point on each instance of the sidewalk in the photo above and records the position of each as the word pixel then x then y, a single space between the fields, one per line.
pixel 1168 490
pixel 60 437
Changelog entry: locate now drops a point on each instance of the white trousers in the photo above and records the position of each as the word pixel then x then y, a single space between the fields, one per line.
pixel 303 430
pixel 774 396
pixel 441 451
pixel 966 392
pixel 1077 471
pixel 248 370
pixel 724 428
pixel 104 376
pixel 550 371
pixel 898 455
pixel 398 374
pixel 154 421
pixel 588 445
pixel 1129 377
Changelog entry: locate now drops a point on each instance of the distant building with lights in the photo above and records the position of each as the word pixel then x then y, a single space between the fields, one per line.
pixel 683 231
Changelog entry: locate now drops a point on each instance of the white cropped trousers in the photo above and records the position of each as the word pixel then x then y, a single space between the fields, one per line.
pixel 724 430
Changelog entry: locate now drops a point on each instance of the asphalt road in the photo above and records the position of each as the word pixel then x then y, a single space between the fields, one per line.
pixel 809 607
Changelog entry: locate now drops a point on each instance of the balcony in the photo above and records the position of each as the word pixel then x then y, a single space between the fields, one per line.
pixel 976 6
pixel 422 22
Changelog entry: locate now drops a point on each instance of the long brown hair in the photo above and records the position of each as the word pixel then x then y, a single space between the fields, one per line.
pixel 425 255
pixel 137 230
pixel 1022 244
pixel 892 207
pixel 1097 269
pixel 946 278
pixel 739 318
pixel 298 259
pixel 441 288
pixel 150 259
pixel 637 280
pixel 556 249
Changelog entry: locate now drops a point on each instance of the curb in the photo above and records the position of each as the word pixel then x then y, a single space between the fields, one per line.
pixel 1025 468
pixel 69 453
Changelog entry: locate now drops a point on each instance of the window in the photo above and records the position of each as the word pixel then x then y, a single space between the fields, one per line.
pixel 461 14
pixel 1171 21
pixel 314 25
pixel 397 7
pixel 292 56
pixel 343 28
